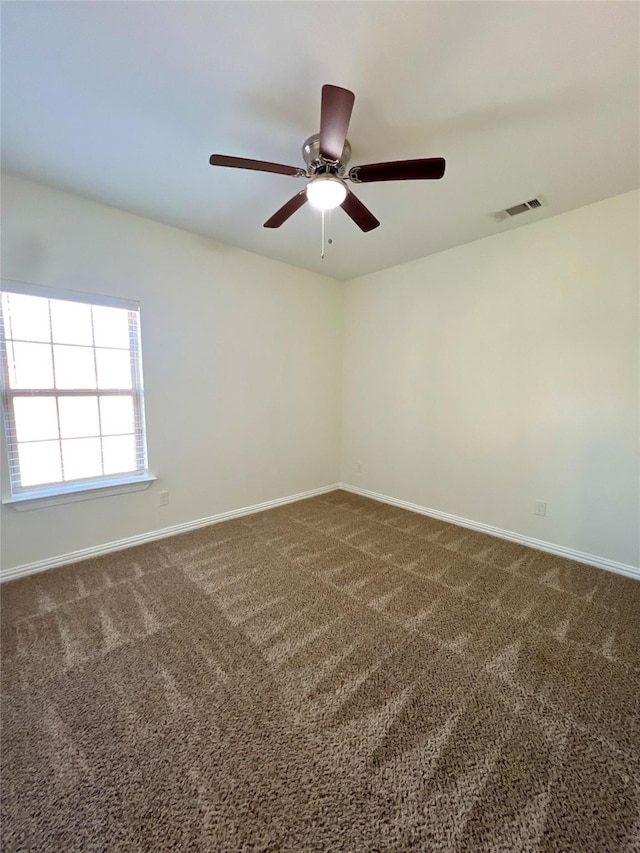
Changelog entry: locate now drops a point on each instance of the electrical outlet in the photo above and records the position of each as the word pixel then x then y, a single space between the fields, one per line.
pixel 164 498
pixel 359 467
pixel 541 508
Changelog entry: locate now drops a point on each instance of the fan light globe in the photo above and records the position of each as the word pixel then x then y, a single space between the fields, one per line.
pixel 326 192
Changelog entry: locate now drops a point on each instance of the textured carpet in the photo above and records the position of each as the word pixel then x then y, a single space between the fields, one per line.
pixel 332 675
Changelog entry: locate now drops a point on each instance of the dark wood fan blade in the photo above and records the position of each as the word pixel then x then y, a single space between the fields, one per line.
pixel 287 210
pixel 360 214
pixel 430 168
pixel 256 165
pixel 335 115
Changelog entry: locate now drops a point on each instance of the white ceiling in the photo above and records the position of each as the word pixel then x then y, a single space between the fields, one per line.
pixel 124 103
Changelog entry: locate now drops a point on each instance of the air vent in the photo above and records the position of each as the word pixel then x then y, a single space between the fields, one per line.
pixel 523 207
pixel 518 208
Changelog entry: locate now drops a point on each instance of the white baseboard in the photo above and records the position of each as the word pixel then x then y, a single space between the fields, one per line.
pixel 131 541
pixel 140 539
pixel 538 544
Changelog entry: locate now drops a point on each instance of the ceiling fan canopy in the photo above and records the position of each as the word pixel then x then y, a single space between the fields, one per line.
pixel 326 156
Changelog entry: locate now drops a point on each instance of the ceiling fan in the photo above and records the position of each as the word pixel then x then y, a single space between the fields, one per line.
pixel 326 155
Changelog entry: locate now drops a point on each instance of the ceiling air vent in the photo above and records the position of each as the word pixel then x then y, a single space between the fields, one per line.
pixel 523 207
pixel 518 208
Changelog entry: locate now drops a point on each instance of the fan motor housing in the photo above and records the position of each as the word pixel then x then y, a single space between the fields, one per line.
pixel 317 164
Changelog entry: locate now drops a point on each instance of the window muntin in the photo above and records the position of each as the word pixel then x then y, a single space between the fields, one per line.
pixel 72 390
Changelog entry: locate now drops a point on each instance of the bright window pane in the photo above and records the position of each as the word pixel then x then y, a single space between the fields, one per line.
pixel 81 458
pixel 111 327
pixel 30 365
pixel 114 368
pixel 119 453
pixel 75 367
pixel 71 322
pixel 39 463
pixel 26 317
pixel 72 372
pixel 78 417
pixel 36 418
pixel 116 414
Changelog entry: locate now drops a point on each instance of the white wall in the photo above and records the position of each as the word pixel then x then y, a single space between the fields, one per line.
pixel 481 379
pixel 242 362
pixel 475 381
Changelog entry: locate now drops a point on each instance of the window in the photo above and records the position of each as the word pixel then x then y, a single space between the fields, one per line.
pixel 72 391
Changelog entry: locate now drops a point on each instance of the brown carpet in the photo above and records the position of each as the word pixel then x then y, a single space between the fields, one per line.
pixel 332 675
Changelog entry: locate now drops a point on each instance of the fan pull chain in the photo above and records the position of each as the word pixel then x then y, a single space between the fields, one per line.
pixel 329 241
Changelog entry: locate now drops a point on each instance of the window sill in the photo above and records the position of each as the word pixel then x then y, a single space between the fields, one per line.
pixel 83 492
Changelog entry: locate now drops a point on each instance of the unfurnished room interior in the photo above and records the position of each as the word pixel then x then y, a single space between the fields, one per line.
pixel 320 427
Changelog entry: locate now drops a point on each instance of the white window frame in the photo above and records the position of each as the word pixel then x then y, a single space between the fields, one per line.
pixel 29 497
